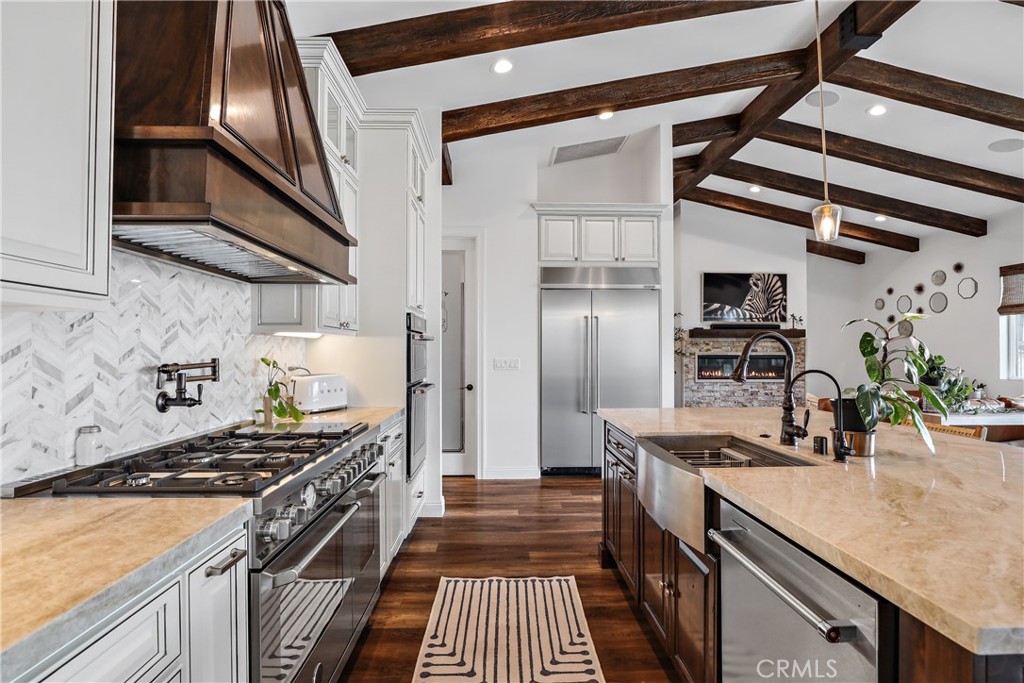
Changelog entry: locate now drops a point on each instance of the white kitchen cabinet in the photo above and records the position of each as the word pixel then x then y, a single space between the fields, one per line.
pixel 138 648
pixel 558 238
pixel 324 309
pixel 608 234
pixel 415 497
pixel 599 238
pixel 57 147
pixel 394 496
pixel 218 638
pixel 415 250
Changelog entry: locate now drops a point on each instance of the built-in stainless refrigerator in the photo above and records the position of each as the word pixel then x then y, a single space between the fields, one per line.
pixel 599 349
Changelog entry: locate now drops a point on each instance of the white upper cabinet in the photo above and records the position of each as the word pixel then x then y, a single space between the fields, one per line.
pixel 600 234
pixel 415 256
pixel 558 238
pixel 324 309
pixel 56 153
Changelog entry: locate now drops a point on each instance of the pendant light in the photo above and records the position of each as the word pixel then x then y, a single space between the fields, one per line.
pixel 826 217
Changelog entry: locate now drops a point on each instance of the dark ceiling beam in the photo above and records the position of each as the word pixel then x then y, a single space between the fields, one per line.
pixel 446 166
pixel 869 19
pixel 502 26
pixel 801 219
pixel 837 252
pixel 627 93
pixel 933 92
pixel 897 160
pixel 853 198
pixel 1018 3
pixel 705 130
pixel 684 164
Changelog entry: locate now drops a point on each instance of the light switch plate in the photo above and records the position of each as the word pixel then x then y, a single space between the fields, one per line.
pixel 506 363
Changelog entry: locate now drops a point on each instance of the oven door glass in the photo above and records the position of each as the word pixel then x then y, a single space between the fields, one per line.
pixel 416 412
pixel 417 359
pixel 303 598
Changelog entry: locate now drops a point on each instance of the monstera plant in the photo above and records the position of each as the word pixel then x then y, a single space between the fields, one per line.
pixel 894 363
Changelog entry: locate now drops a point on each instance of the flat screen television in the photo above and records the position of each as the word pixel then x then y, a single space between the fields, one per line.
pixel 744 298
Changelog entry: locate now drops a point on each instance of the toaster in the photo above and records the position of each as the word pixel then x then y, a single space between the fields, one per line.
pixel 317 393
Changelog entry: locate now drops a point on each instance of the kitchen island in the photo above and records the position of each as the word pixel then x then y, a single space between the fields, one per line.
pixel 941 537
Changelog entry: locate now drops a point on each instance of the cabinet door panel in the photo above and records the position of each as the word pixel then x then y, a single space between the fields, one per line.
pixel 627 529
pixel 279 305
pixel 639 239
pixel 58 68
pixel 558 238
pixel 693 651
pixel 598 238
pixel 394 520
pixel 421 252
pixel 217 609
pixel 610 504
pixel 411 256
pixel 652 590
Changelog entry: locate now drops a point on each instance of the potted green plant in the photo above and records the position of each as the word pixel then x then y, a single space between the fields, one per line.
pixel 955 389
pixel 275 401
pixel 894 363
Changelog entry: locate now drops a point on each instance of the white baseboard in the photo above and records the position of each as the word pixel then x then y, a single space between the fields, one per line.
pixel 433 509
pixel 512 473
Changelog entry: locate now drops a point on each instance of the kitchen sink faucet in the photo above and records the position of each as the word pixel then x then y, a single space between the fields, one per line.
pixel 791 432
pixel 839 446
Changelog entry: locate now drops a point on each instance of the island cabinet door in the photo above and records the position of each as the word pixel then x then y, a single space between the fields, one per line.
pixel 609 497
pixel 655 585
pixel 696 617
pixel 627 552
pixel 218 615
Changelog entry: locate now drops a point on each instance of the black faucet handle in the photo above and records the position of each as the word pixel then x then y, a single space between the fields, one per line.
pixel 807 418
pixel 199 395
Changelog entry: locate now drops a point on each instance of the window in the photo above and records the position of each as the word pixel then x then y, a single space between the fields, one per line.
pixel 1012 341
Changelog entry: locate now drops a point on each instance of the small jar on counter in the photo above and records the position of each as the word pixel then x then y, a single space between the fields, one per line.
pixel 89 446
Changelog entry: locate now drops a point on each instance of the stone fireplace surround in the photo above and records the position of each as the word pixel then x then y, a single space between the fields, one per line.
pixel 726 393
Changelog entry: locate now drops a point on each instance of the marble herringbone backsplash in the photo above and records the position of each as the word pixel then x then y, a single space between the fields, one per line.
pixel 59 371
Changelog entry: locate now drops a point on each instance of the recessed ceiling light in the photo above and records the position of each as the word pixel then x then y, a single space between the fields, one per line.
pixel 880 218
pixel 605 115
pixel 1007 145
pixel 755 189
pixel 876 110
pixel 831 97
pixel 502 66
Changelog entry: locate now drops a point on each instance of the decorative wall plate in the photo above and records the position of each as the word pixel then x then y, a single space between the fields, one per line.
pixel 938 302
pixel 879 304
pixel 919 288
pixel 958 267
pixel 967 288
pixel 905 328
pixel 891 319
pixel 939 277
pixel 889 291
pixel 919 310
pixel 904 304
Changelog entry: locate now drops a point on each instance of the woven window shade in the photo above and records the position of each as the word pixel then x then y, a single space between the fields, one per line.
pixel 1012 278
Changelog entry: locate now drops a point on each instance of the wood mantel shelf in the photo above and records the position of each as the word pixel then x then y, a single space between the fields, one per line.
pixel 738 333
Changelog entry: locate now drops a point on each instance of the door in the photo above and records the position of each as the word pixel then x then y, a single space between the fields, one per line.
pixel 610 503
pixel 558 238
pixel 696 616
pixel 394 514
pixel 218 616
pixel 624 320
pixel 566 381
pixel 454 460
pixel 638 239
pixel 598 238
pixel 655 584
pixel 626 527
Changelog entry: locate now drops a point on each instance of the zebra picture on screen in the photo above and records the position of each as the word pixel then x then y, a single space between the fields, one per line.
pixel 744 297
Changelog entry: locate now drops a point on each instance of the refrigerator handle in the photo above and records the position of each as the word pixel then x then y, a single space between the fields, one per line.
pixel 585 399
pixel 597 366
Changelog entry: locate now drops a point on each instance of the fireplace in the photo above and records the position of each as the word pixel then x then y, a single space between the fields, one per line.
pixel 718 367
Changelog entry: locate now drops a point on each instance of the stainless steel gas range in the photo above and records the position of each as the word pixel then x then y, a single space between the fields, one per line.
pixel 314 531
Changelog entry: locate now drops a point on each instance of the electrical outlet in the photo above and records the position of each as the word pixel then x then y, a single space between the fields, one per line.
pixel 506 363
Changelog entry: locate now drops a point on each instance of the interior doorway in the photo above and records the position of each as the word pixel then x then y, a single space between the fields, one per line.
pixel 459 390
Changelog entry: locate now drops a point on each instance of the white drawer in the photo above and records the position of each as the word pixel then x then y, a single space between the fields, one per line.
pixel 417 496
pixel 139 648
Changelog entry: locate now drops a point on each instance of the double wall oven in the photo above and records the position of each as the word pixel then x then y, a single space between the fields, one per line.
pixel 416 393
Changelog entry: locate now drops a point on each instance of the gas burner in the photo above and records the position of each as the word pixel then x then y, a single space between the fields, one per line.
pixel 234 479
pixel 136 479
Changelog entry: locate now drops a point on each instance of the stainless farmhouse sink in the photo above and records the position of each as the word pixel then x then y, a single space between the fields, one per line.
pixel 669 483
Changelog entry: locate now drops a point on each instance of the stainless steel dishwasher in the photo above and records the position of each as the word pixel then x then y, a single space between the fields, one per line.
pixel 785 616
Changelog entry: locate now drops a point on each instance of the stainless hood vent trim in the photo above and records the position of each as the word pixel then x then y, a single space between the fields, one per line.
pixel 563 277
pixel 216 251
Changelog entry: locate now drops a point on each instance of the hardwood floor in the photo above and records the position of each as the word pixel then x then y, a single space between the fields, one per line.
pixel 549 527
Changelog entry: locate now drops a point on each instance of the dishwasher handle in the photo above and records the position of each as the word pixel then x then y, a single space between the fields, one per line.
pixel 831 631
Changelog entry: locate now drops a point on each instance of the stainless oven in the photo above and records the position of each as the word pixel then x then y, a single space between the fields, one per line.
pixel 416 356
pixel 312 598
pixel 416 428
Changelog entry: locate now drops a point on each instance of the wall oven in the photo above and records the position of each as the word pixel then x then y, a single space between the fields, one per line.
pixel 314 596
pixel 417 391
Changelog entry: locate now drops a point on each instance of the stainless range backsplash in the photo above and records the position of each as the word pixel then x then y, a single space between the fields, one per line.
pixel 59 371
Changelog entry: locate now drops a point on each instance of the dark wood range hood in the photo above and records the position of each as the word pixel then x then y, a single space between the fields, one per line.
pixel 218 162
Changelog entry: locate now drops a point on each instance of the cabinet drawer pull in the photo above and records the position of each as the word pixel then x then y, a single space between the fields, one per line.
pixel 233 559
pixel 386 437
pixel 419 494
pixel 392 464
pixel 661 585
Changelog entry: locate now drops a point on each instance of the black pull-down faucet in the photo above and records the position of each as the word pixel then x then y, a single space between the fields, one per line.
pixel 791 431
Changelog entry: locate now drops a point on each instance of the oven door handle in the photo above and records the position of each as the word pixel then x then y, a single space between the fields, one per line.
pixel 831 631
pixel 291 574
pixel 421 389
pixel 367 491
pixel 421 337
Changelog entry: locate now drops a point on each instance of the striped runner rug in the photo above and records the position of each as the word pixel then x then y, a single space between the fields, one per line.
pixel 500 630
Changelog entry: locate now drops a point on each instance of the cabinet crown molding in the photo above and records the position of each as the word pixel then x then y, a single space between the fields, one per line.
pixel 323 54
pixel 408 120
pixel 564 209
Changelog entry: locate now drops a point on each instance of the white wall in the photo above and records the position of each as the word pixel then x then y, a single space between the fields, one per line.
pixel 833 299
pixel 966 333
pixel 495 197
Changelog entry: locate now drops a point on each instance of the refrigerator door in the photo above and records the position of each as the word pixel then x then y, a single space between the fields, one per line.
pixel 625 355
pixel 566 386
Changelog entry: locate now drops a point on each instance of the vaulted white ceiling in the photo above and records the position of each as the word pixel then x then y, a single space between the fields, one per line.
pixel 980 42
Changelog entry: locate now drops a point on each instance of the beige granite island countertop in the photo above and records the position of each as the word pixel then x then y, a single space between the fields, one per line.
pixel 941 537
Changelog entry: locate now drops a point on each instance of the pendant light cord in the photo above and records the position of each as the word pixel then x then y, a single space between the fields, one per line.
pixel 821 97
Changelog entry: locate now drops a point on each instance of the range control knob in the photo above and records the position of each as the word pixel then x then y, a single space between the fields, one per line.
pixel 275 530
pixel 336 484
pixel 295 514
